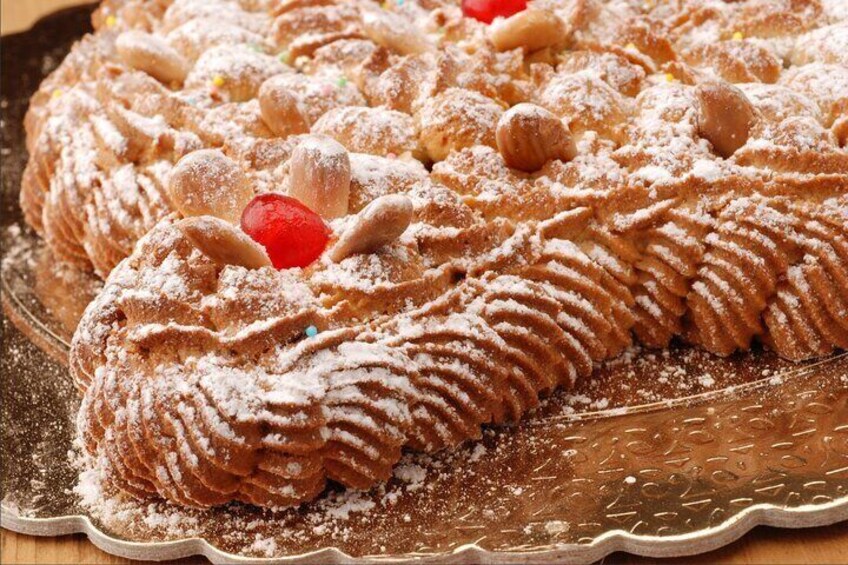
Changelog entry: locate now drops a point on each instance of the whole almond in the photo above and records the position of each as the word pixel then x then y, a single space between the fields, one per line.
pixel 725 116
pixel 279 108
pixel 152 55
pixel 319 176
pixel 207 182
pixel 528 136
pixel 224 243
pixel 378 224
pixel 530 30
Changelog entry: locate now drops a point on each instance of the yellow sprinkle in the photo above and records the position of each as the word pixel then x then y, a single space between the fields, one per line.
pixel 111 21
pixel 57 93
pixel 631 47
pixel 669 77
pixel 737 35
pixel 218 81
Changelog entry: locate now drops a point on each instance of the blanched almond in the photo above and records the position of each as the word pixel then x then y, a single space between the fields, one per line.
pixel 725 117
pixel 529 136
pixel 378 224
pixel 319 176
pixel 279 108
pixel 530 30
pixel 152 55
pixel 207 182
pixel 224 243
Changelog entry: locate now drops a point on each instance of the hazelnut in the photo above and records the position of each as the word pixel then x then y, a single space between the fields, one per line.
pixel 394 33
pixel 528 136
pixel 840 131
pixel 725 116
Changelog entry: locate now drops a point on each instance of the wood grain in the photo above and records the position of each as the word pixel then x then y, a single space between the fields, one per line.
pixel 761 546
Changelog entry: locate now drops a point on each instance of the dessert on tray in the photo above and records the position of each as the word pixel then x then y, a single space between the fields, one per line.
pixel 332 230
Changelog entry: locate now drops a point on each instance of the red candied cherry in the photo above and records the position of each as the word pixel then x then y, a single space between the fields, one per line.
pixel 487 10
pixel 292 234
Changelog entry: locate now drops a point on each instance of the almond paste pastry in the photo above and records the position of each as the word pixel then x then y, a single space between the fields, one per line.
pixel 332 230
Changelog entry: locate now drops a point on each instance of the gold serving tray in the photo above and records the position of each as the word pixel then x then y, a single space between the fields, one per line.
pixel 661 454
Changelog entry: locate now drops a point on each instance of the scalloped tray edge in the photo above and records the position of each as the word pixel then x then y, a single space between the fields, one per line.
pixel 648 546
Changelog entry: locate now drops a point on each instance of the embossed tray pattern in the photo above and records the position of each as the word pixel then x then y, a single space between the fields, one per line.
pixel 661 455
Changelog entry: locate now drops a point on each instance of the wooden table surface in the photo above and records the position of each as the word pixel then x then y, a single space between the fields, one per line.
pixel 762 545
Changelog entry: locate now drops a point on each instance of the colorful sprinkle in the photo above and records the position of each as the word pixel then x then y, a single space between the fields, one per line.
pixel 57 93
pixel 256 47
pixel 311 331
pixel 326 90
pixel 342 82
pixel 111 21
pixel 391 155
pixel 737 36
pixel 669 77
pixel 218 81
pixel 631 47
pixel 284 57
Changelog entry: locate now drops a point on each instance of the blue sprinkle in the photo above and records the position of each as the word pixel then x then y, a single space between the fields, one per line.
pixel 311 331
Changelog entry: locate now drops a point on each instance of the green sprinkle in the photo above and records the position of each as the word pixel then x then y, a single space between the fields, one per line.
pixel 256 47
pixel 311 331
pixel 342 82
pixel 284 57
